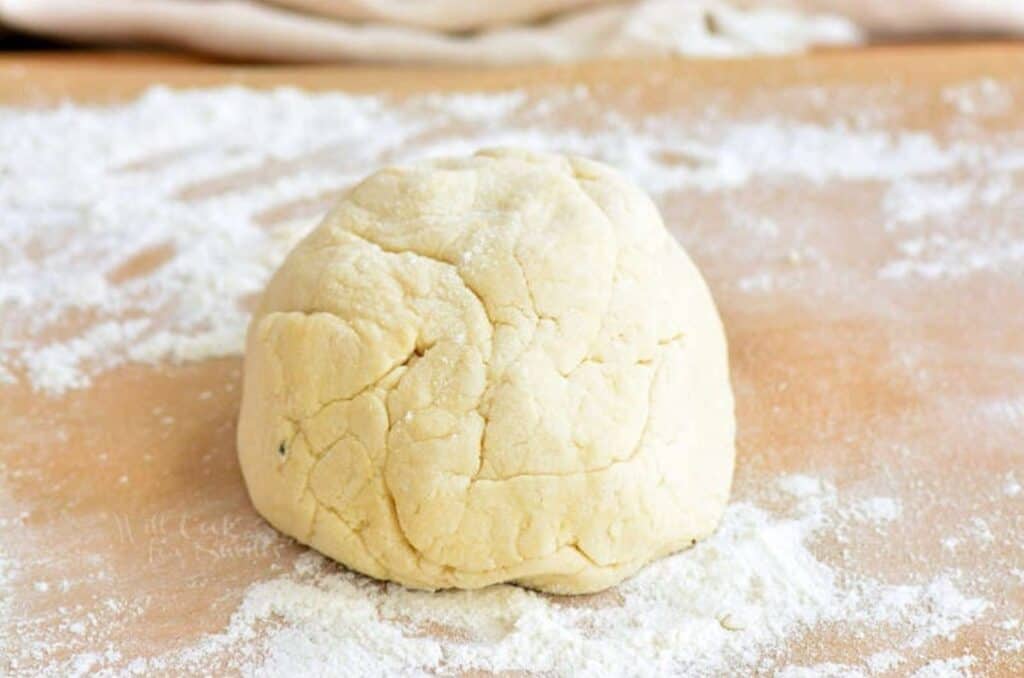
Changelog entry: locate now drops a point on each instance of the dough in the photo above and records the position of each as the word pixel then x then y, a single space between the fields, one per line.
pixel 489 369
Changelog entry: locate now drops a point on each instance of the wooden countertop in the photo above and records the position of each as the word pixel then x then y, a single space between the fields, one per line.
pixel 881 386
pixel 98 76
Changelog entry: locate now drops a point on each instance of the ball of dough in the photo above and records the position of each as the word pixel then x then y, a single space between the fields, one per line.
pixel 499 368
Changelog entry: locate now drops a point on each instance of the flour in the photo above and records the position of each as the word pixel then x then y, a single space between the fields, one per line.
pixel 884 661
pixel 939 256
pixel 877 509
pixel 911 204
pixel 911 201
pixel 151 223
pixel 8 574
pixel 1009 411
pixel 983 97
pixel 946 668
pixel 825 670
pixel 1011 486
pixel 727 603
pixel 6 577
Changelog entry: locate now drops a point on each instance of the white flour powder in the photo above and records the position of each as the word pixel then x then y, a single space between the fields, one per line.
pixel 147 224
pixel 732 601
pixel 140 232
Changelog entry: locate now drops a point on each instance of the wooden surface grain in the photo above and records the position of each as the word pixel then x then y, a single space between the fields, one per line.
pixel 132 485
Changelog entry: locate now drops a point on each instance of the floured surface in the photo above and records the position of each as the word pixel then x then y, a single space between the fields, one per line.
pixel 865 245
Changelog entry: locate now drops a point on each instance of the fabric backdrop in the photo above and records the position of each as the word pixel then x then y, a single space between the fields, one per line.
pixel 476 32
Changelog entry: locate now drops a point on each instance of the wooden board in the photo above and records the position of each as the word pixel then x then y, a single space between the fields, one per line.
pixel 914 390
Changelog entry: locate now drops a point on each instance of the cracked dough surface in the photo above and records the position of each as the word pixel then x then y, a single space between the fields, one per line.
pixel 489 369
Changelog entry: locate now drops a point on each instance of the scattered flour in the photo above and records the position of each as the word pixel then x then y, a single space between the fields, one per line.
pixel 878 509
pixel 946 668
pixel 940 256
pixel 825 670
pixel 149 225
pixel 1011 486
pixel 983 97
pixel 8 574
pixel 913 200
pixel 1008 411
pixel 981 530
pixel 884 661
pixel 729 603
pixel 759 282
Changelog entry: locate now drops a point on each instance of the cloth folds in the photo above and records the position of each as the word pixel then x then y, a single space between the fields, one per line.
pixel 471 32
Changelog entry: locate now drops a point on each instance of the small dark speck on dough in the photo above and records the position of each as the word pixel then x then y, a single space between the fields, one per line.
pixel 711 23
pixel 281 449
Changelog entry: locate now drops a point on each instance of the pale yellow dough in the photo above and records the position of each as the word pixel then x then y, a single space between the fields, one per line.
pixel 499 368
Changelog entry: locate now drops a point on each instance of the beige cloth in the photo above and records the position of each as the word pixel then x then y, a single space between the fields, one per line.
pixel 474 32
pixel 896 18
pixel 439 15
pixel 391 31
